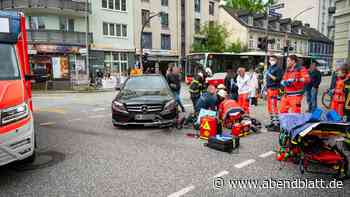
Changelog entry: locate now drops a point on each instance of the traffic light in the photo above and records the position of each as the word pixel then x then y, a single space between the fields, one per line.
pixel 145 58
pixel 262 43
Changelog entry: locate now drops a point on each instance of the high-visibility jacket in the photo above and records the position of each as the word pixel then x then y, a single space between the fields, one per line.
pixel 301 78
pixel 338 98
pixel 228 106
pixel 136 72
pixel 195 89
pixel 347 97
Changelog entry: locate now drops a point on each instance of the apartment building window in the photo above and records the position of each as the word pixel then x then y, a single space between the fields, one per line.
pixel 251 42
pixel 197 25
pixel 278 44
pixel 115 30
pixel 211 8
pixel 147 40
pixel 164 3
pixel 36 22
pixel 145 16
pixel 164 20
pixel 118 5
pixel 66 24
pixel 197 5
pixel 165 42
pixel 116 62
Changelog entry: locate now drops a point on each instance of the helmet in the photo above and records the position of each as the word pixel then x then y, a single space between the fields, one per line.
pixel 222 93
pixel 200 75
pixel 221 87
pixel 209 72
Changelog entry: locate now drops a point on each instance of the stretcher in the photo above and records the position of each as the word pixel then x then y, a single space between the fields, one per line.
pixel 322 143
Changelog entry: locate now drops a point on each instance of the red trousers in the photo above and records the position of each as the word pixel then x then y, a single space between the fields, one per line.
pixel 272 101
pixel 243 100
pixel 338 103
pixel 291 102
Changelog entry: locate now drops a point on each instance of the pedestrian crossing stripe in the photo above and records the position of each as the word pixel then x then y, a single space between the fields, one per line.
pixel 206 125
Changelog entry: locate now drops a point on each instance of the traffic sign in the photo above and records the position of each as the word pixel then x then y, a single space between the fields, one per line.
pixel 273 13
pixel 277 6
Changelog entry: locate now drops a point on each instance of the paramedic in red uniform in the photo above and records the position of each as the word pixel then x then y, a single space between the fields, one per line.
pixel 273 84
pixel 294 81
pixel 338 98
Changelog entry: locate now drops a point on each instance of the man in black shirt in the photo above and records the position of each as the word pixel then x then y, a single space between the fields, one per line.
pixel 312 87
pixel 174 81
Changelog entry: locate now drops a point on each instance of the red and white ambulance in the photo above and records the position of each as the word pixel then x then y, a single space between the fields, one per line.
pixel 17 138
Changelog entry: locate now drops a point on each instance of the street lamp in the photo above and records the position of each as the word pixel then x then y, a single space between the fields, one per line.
pixel 141 39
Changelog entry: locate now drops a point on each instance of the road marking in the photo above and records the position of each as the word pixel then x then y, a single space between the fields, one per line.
pixel 75 119
pixel 182 192
pixel 244 163
pixel 47 123
pixel 97 116
pixel 98 109
pixel 221 174
pixel 188 105
pixel 264 155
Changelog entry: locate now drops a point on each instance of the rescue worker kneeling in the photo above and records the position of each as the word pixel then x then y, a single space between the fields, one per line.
pixel 230 114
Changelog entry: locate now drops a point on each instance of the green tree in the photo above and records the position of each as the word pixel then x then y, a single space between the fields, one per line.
pixel 253 6
pixel 237 47
pixel 212 38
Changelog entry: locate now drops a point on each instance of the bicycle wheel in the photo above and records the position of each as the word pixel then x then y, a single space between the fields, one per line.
pixel 326 100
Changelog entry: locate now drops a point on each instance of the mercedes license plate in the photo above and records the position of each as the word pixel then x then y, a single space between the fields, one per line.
pixel 144 116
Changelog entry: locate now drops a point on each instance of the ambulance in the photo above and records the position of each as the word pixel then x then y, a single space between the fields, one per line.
pixel 17 138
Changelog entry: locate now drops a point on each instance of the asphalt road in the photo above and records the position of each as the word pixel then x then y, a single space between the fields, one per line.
pixel 80 153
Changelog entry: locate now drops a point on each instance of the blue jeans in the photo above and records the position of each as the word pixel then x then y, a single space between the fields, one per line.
pixel 178 101
pixel 311 96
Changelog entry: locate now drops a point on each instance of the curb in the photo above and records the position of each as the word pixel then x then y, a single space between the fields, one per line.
pixel 70 91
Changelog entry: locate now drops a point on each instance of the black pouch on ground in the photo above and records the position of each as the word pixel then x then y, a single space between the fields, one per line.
pixel 225 146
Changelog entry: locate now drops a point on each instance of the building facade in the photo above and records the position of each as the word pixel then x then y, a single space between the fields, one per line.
pixel 249 29
pixel 112 50
pixel 342 32
pixel 56 34
pixel 320 16
pixel 160 37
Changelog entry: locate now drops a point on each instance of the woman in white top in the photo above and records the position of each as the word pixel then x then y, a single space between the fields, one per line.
pixel 254 85
pixel 243 81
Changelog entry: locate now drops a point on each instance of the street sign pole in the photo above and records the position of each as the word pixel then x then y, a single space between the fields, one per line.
pixel 267 34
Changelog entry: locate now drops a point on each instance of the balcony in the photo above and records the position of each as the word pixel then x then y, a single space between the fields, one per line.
pixel 60 7
pixel 57 37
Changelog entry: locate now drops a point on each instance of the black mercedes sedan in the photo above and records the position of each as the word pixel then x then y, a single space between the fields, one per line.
pixel 144 100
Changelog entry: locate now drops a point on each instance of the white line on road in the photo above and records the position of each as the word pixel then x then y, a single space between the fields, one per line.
pixel 97 116
pixel 264 155
pixel 75 119
pixel 47 123
pixel 221 174
pixel 244 163
pixel 98 109
pixel 182 192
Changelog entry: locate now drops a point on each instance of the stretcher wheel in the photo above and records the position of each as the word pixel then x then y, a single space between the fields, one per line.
pixel 302 166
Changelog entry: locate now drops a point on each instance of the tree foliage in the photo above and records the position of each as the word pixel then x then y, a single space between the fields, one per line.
pixel 236 47
pixel 253 6
pixel 212 38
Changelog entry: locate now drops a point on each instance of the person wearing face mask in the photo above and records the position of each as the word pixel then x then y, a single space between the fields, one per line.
pixel 294 81
pixel 338 99
pixel 273 80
